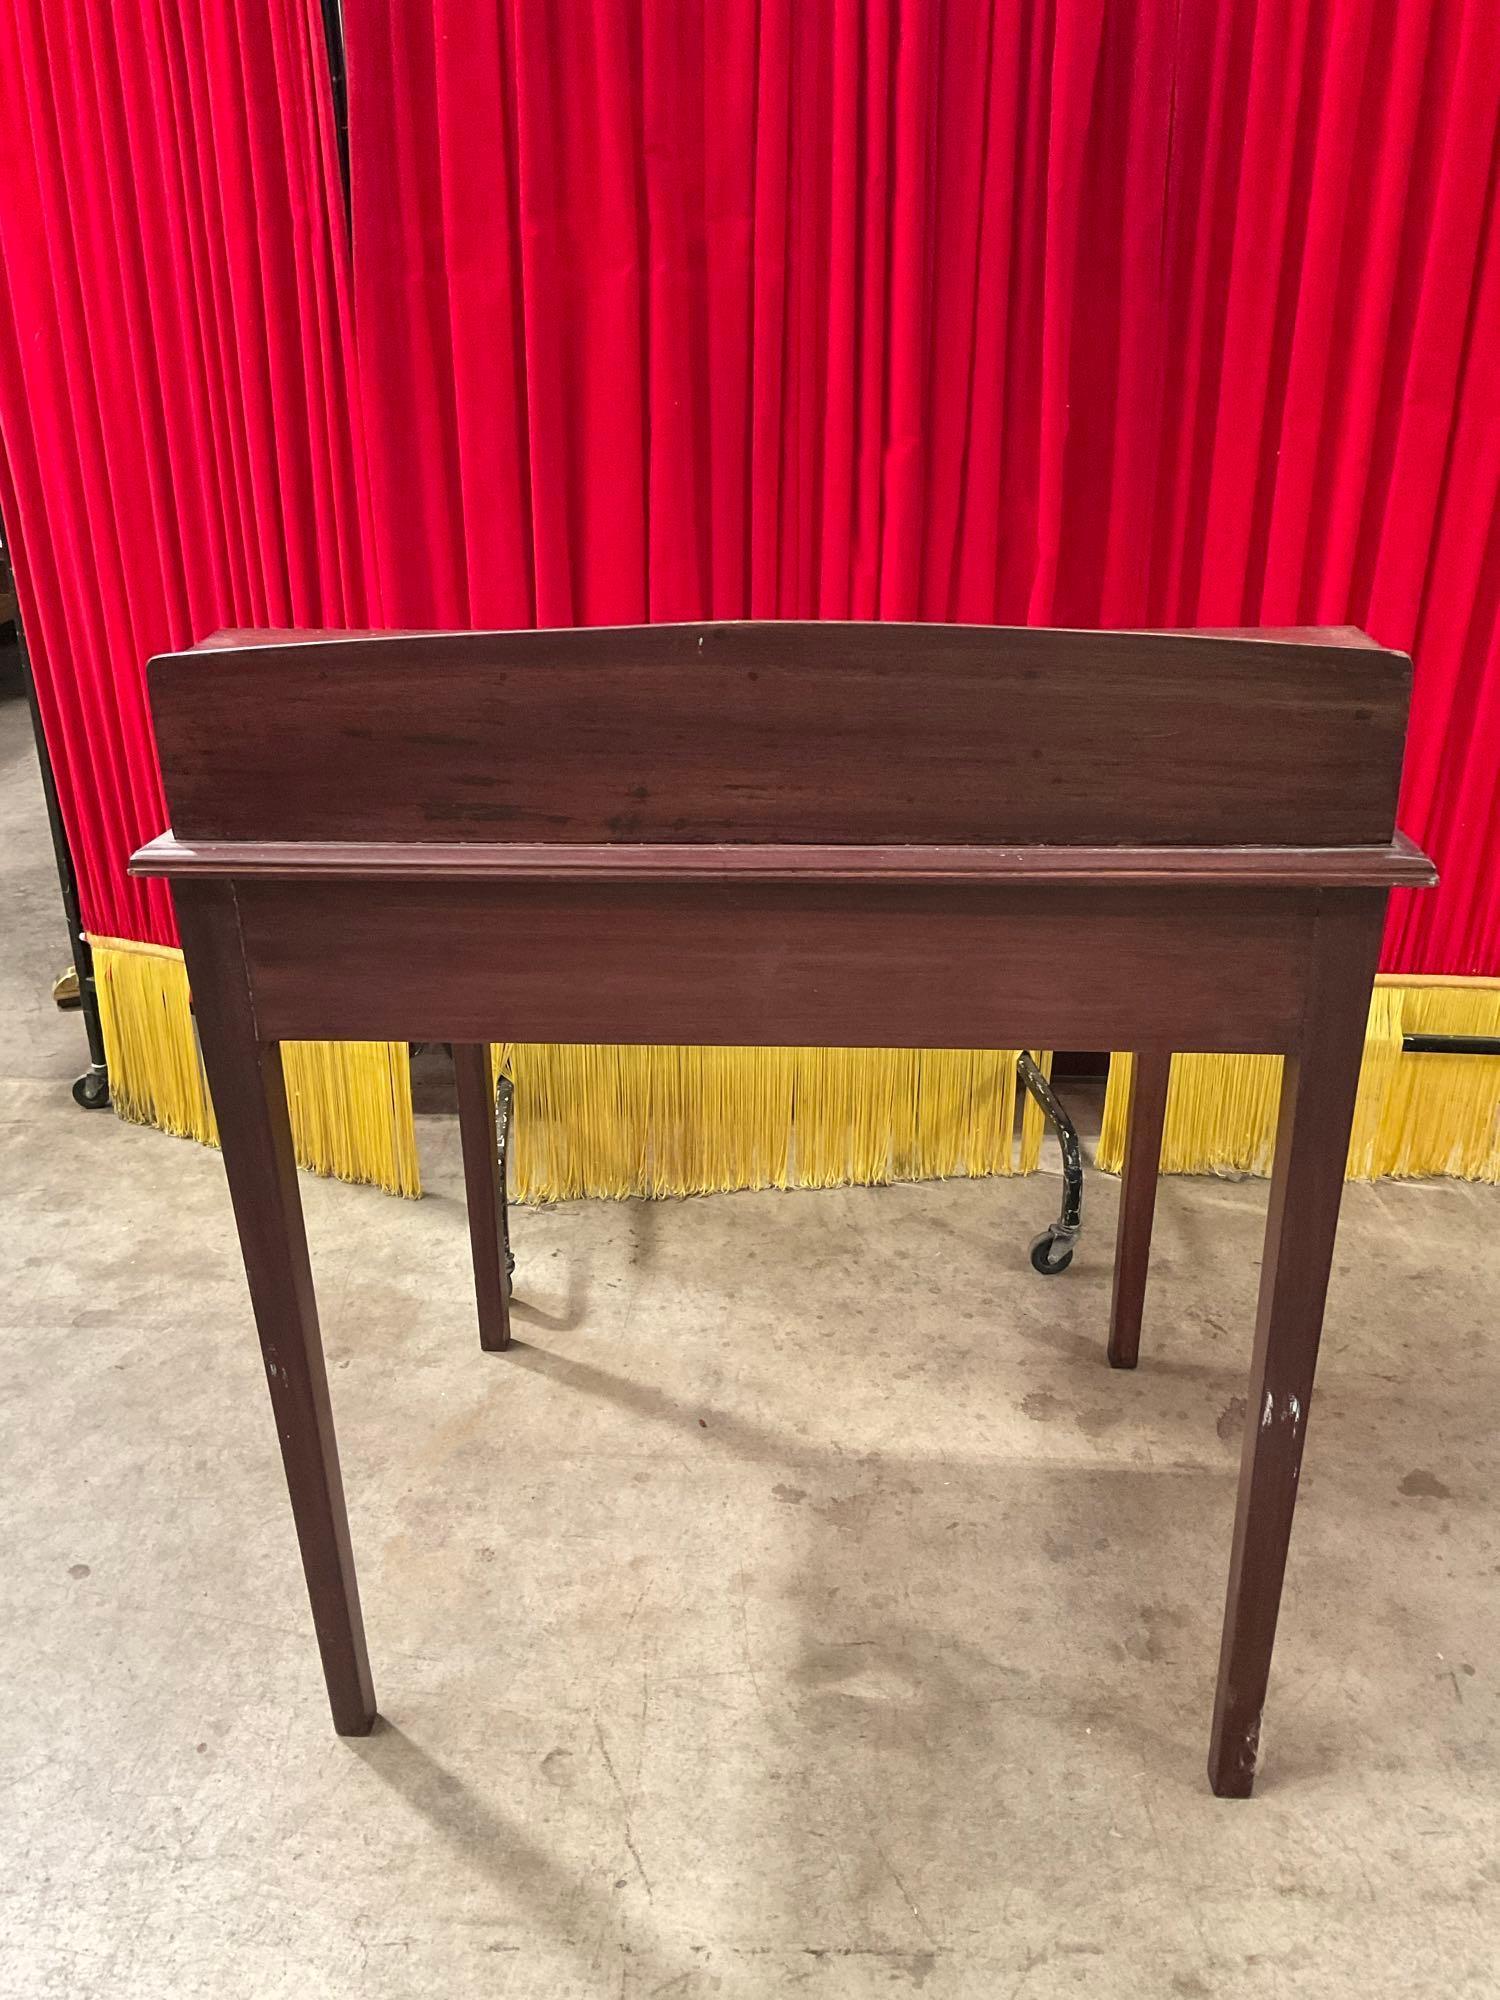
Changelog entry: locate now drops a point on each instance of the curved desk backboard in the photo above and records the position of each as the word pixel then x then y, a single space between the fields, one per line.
pixel 766 732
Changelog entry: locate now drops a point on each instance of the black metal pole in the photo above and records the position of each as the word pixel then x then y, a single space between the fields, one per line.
pixel 91 1089
pixel 1450 1045
pixel 338 84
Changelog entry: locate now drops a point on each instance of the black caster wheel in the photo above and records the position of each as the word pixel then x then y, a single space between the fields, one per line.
pixel 92 1090
pixel 1049 1255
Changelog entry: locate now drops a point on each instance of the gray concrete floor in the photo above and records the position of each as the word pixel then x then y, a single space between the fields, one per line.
pixel 803 1607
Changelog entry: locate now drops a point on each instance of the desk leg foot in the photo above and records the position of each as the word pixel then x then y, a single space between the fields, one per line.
pixel 1149 1075
pixel 1312 1143
pixel 484 1188
pixel 249 1097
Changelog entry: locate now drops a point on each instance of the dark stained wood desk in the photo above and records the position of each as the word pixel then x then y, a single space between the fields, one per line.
pixel 838 835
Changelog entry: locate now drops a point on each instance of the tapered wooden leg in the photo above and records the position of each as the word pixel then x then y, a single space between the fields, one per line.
pixel 484 1187
pixel 1149 1074
pixel 249 1097
pixel 1312 1145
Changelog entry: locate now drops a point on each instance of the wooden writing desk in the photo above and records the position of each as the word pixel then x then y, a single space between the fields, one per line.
pixel 836 835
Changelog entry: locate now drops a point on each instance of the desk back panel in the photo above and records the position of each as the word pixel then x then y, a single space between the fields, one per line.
pixel 772 731
pixel 816 964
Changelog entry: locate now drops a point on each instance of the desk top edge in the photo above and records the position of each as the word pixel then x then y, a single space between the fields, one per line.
pixel 1397 863
pixel 291 639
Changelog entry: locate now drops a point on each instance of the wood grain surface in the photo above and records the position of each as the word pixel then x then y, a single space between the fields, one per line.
pixel 847 734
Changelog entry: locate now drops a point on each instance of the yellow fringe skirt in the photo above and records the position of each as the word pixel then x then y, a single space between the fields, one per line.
pixel 1415 1114
pixel 617 1121
pixel 612 1120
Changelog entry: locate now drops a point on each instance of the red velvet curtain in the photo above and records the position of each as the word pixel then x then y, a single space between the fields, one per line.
pixel 177 442
pixel 1077 311
pixel 1125 313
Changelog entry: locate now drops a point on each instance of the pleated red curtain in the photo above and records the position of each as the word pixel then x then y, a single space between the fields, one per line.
pixel 753 309
pixel 178 444
pixel 1097 312
pixel 1079 311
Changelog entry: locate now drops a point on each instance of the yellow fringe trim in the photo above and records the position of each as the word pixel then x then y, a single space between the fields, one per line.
pixel 619 1120
pixel 1415 1115
pixel 610 1121
pixel 616 1121
pixel 350 1102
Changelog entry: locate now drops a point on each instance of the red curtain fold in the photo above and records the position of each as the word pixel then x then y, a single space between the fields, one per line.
pixel 1073 311
pixel 178 441
pixel 1085 313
